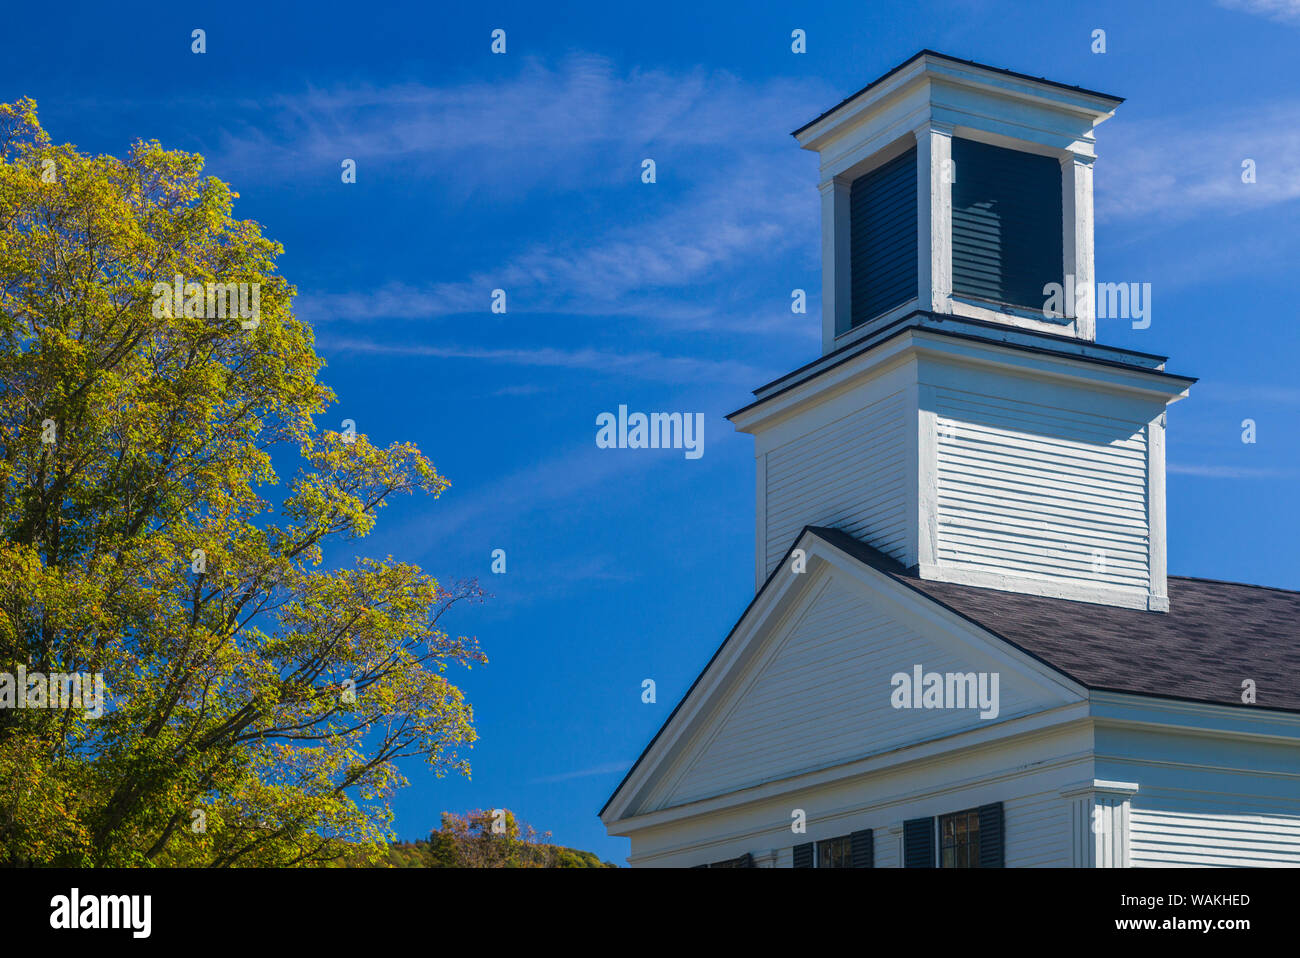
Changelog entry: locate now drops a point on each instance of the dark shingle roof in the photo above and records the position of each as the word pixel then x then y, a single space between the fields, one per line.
pixel 1214 635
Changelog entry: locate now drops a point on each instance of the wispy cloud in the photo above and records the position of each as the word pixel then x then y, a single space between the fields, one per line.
pixel 653 270
pixel 606 769
pixel 568 477
pixel 1183 166
pixel 577 124
pixel 640 365
pixel 1281 11
pixel 1230 472
pixel 733 192
pixel 667 310
pixel 565 477
pixel 556 577
pixel 1234 392
pixel 524 389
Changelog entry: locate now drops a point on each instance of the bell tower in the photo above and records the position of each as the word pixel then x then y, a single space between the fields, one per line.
pixel 962 417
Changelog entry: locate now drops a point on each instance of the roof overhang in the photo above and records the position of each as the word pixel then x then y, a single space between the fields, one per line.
pixel 958 340
pixel 962 95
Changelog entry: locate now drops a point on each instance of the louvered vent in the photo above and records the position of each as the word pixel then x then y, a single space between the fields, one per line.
pixel 882 217
pixel 1006 224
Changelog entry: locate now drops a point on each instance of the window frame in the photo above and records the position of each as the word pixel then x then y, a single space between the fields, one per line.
pixel 844 851
pixel 970 849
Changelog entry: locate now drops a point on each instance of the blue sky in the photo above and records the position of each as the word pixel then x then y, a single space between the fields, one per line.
pixel 522 172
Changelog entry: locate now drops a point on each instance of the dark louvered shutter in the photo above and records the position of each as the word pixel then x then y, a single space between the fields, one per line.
pixel 744 861
pixel 882 242
pixel 1006 224
pixel 918 843
pixel 992 837
pixel 803 856
pixel 864 849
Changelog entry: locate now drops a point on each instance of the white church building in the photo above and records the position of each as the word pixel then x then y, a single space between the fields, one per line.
pixel 964 649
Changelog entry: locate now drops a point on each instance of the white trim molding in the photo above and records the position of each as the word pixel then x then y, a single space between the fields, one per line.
pixel 1100 814
pixel 934 216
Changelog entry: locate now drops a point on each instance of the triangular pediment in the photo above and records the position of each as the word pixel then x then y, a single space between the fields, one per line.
pixel 806 682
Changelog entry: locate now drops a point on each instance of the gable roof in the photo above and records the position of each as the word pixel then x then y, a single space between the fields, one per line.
pixel 1215 635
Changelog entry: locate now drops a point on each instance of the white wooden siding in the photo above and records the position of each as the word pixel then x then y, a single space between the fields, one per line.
pixel 1208 800
pixel 822 697
pixel 1041 492
pixel 1026 778
pixel 1037 830
pixel 1163 837
pixel 888 847
pixel 850 474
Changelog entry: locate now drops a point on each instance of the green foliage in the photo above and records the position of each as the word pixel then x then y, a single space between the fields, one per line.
pixel 225 704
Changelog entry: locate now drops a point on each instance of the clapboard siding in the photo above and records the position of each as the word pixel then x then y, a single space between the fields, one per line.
pixel 1037 829
pixel 850 474
pixel 1164 838
pixel 888 848
pixel 1036 821
pixel 823 697
pixel 882 243
pixel 1041 492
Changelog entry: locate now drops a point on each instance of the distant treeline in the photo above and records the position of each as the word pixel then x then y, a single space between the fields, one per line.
pixel 485 839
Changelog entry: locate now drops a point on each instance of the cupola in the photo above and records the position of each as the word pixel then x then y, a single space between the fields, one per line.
pixel 956 188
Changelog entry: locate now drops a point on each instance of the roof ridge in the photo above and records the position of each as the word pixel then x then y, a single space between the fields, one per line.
pixel 1244 585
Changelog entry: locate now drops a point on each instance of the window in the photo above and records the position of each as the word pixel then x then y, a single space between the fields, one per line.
pixel 959 839
pixel 857 850
pixel 1007 239
pixel 835 853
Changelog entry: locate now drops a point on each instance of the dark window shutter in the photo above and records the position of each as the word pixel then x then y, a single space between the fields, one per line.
pixel 918 843
pixel 1006 224
pixel 744 861
pixel 803 856
pixel 882 240
pixel 992 837
pixel 864 849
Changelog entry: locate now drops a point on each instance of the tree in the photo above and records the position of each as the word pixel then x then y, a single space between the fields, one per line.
pixel 257 701
pixel 482 838
pixel 494 838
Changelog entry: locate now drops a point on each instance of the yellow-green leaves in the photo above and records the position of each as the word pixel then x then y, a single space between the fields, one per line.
pixel 256 702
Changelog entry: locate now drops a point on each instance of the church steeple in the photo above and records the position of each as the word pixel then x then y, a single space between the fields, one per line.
pixel 955 421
